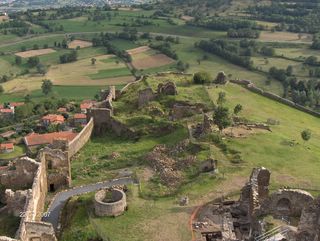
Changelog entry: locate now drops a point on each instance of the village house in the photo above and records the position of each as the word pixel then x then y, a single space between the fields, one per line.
pixel 6 112
pixel 15 104
pixel 80 119
pixel 35 140
pixel 86 104
pixel 6 148
pixel 52 120
pixel 7 134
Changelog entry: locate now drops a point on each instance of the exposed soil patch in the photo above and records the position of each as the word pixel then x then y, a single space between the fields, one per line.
pixel 138 50
pixel 32 53
pixel 284 36
pixel 187 18
pixel 242 131
pixel 82 44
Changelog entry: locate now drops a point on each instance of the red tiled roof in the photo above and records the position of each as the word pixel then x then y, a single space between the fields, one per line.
pixel 6 146
pixel 6 111
pixel 34 139
pixel 15 104
pixel 85 106
pixel 54 118
pixel 7 133
pixel 80 116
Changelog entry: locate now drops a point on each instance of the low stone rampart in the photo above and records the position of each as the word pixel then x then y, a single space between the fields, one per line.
pixel 250 86
pixel 81 139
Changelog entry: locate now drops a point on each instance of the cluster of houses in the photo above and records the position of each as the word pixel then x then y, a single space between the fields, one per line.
pixel 35 140
pixel 9 108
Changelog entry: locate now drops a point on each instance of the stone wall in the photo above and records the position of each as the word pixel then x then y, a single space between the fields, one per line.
pixel 16 201
pixel 82 138
pixel 309 225
pixel 286 202
pixel 113 207
pixel 31 228
pixel 183 110
pixel 250 86
pixel 101 118
pixel 145 96
pixel 20 175
pixel 58 166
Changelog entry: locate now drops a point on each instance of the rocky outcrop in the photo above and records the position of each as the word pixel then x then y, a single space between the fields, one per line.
pixel 168 88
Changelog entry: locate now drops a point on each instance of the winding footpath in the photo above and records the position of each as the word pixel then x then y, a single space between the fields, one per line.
pixel 61 198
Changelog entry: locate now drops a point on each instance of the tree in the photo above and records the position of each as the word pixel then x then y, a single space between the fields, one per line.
pixel 93 61
pixel 18 60
pixel 42 69
pixel 1 89
pixel 46 86
pixel 27 98
pixel 237 109
pixel 202 77
pixel 33 61
pixel 221 98
pixel 221 117
pixel 306 135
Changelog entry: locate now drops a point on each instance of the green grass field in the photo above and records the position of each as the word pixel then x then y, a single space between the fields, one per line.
pixel 68 92
pixel 109 73
pixel 18 151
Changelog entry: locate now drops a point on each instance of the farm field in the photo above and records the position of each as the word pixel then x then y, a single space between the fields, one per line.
pixel 297 53
pixel 79 43
pixel 82 72
pixel 285 37
pixel 66 92
pixel 32 53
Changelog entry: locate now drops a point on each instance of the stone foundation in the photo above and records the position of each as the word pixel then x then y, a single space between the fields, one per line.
pixel 113 207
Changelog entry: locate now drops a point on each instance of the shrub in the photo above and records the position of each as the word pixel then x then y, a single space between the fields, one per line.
pixel 202 77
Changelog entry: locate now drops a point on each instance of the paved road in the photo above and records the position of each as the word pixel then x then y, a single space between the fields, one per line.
pixel 62 197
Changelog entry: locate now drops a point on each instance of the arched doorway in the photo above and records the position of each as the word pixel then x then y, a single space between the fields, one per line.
pixel 284 206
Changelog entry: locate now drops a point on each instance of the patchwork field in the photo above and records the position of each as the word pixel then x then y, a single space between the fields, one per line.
pixel 79 43
pixel 32 53
pixel 297 53
pixel 146 58
pixel 285 37
pixel 83 72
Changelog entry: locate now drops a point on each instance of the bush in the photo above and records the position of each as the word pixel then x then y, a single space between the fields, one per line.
pixel 202 77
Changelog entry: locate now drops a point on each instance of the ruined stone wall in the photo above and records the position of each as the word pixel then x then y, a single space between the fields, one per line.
pixel 20 175
pixel 121 129
pixel 114 207
pixel 286 202
pixel 81 139
pixel 58 166
pixel 145 96
pixel 31 226
pixel 180 111
pixel 309 225
pixel 101 118
pixel 16 201
pixel 39 231
pixel 249 85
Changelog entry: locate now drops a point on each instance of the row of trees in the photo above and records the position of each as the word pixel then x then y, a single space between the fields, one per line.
pixel 298 17
pixel 226 50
